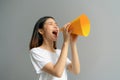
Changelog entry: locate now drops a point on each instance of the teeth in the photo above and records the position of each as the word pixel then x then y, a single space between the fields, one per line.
pixel 54 32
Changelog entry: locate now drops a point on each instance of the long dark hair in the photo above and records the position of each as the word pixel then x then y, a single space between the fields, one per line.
pixel 37 38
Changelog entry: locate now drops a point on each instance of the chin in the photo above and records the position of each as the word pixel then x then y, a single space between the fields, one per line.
pixel 55 39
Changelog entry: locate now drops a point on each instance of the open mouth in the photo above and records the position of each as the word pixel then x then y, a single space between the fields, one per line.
pixel 55 33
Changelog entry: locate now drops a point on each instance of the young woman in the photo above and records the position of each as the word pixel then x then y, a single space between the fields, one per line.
pixel 49 62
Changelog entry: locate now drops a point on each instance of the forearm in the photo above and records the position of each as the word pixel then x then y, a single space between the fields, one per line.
pixel 58 68
pixel 75 59
pixel 60 65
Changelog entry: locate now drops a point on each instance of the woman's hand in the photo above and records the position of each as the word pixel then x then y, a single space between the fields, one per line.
pixel 73 38
pixel 66 33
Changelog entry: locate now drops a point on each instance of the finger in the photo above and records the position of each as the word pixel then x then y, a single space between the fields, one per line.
pixel 64 27
pixel 67 27
pixel 70 31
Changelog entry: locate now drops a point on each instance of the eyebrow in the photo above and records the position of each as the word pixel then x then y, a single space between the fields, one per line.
pixel 52 22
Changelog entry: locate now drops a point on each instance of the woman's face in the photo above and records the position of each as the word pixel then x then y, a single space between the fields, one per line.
pixel 50 29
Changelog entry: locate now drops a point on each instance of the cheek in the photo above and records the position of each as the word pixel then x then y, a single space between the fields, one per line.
pixel 47 27
pixel 47 31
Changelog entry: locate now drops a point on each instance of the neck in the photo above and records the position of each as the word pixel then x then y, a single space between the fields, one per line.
pixel 48 45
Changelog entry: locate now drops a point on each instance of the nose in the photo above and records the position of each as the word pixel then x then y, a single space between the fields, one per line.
pixel 56 26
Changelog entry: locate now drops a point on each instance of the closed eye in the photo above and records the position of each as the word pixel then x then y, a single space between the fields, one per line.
pixel 51 23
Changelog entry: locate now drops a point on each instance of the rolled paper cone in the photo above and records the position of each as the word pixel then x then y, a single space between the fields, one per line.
pixel 80 26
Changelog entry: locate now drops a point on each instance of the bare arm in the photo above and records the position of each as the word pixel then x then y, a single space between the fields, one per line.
pixel 75 65
pixel 58 68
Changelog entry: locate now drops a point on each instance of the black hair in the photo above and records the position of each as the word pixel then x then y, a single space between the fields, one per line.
pixel 37 38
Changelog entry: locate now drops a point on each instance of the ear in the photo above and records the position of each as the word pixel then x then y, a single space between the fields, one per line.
pixel 40 31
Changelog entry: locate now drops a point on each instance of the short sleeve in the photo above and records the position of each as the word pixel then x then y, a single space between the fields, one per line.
pixel 39 59
pixel 68 61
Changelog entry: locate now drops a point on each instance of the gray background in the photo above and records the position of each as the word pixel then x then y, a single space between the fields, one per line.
pixel 99 52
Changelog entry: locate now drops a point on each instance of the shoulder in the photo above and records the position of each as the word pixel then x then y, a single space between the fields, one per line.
pixel 35 50
pixel 38 51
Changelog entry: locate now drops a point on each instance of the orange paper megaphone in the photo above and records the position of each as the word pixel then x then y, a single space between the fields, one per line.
pixel 80 26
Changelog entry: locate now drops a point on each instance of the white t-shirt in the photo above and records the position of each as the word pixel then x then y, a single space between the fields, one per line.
pixel 40 57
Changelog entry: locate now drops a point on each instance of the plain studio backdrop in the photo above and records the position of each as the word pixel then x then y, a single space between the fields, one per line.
pixel 99 53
